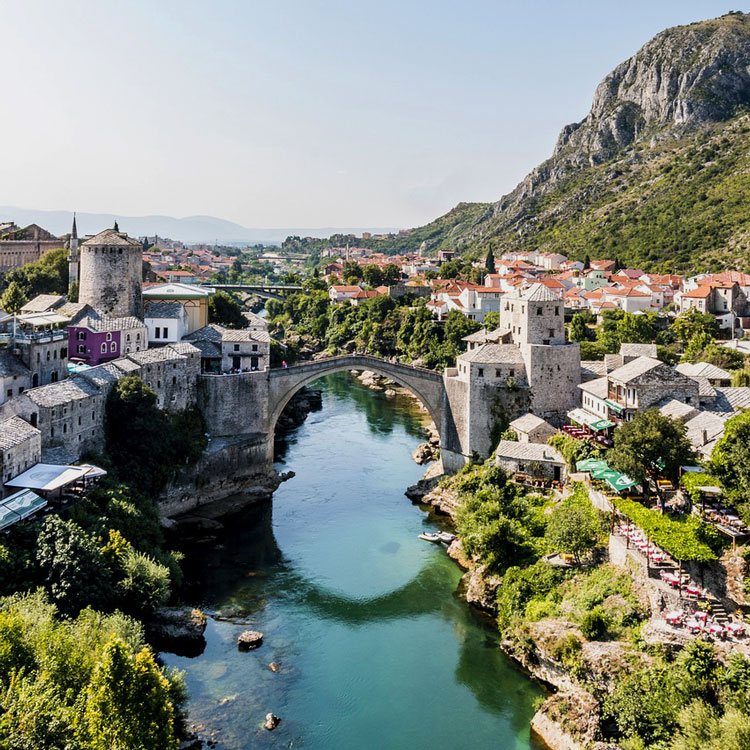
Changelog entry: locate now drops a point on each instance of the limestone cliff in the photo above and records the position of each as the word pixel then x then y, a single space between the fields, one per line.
pixel 656 171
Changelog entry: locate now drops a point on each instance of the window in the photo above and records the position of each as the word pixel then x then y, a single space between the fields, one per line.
pixel 165 333
pixel 158 383
pixel 79 420
pixel 498 373
pixel 480 372
pixel 81 336
pixel 63 352
pixel 539 311
pixel 65 429
pixel 113 346
pixel 511 372
pixel 557 311
pixel 236 347
pixel 10 393
pixel 47 356
pixel 109 336
pixel 255 347
pixel 127 337
pixel 157 332
pixel 174 380
pixel 104 348
pixel 551 332
pixel 81 348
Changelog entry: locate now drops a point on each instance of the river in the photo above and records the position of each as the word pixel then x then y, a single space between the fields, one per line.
pixel 375 650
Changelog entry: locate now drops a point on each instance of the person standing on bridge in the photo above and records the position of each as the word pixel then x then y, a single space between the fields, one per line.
pixel 283 364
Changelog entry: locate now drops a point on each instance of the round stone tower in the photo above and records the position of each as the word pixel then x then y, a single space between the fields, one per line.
pixel 110 270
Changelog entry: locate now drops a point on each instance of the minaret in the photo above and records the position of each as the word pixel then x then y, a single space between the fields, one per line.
pixel 73 255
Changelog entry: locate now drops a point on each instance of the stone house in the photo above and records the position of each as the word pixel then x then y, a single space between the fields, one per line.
pixel 20 447
pixel 226 349
pixel 532 429
pixel 716 376
pixel 69 415
pixel 725 300
pixel 171 372
pixel 15 377
pixel 536 459
pixel 643 382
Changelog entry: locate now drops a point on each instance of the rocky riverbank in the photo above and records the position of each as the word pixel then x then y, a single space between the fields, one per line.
pixel 569 718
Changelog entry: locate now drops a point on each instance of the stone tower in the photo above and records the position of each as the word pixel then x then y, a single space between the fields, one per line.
pixel 535 316
pixel 111 271
pixel 73 255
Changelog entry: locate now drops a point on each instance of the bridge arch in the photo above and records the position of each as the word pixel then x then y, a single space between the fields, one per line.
pixel 426 385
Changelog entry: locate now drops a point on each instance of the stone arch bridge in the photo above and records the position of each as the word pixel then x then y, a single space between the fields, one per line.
pixel 249 404
pixel 426 385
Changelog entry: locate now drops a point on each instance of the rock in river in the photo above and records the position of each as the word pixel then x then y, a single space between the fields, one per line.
pixel 249 640
pixel 272 721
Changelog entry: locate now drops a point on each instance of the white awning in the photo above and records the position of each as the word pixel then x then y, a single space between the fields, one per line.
pixel 47 477
pixel 582 417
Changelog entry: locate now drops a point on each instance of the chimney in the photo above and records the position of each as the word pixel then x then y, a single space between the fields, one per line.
pixel 704 436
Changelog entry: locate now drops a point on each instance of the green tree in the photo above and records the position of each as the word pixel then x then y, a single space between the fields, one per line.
pixel 649 446
pixel 73 567
pixel 573 527
pixel 225 310
pixel 489 261
pixel 48 275
pixel 13 298
pixel 692 322
pixel 457 326
pixel 372 275
pixel 730 460
pixel 128 703
pixel 578 330
pixel 586 262
pixel 391 274
pixel 116 227
pixel 492 320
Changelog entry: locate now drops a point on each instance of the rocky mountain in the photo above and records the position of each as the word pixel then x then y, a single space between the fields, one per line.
pixel 657 173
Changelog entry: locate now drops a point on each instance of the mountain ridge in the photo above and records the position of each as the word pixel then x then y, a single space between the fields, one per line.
pixel 683 96
pixel 189 229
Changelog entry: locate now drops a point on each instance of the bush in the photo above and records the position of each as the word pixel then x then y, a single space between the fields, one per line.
pixel 595 624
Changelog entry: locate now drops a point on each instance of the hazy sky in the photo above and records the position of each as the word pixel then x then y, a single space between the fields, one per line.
pixel 299 113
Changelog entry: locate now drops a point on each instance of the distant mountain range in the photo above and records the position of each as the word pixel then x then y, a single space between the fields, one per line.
pixel 191 229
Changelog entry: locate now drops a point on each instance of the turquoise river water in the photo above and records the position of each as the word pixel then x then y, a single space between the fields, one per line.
pixel 374 647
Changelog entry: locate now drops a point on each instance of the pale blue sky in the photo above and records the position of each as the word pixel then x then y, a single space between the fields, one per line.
pixel 299 112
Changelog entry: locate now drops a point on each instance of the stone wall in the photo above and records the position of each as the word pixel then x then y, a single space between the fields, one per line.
pixel 232 474
pixel 16 459
pixel 554 375
pixel 235 404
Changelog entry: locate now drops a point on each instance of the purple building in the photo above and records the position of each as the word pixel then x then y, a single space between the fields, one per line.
pixel 94 339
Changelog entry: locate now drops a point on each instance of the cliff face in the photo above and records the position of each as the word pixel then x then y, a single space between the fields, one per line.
pixel 687 89
pixel 680 81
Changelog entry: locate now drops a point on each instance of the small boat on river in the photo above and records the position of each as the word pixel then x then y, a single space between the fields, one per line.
pixel 430 536
pixel 443 537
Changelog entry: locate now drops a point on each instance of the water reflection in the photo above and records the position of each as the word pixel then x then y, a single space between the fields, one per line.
pixel 375 648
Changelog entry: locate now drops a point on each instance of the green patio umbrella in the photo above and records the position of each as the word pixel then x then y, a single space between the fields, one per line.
pixel 621 482
pixel 591 464
pixel 608 475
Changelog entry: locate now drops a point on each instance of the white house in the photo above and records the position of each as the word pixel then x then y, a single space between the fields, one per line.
pixel 167 322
